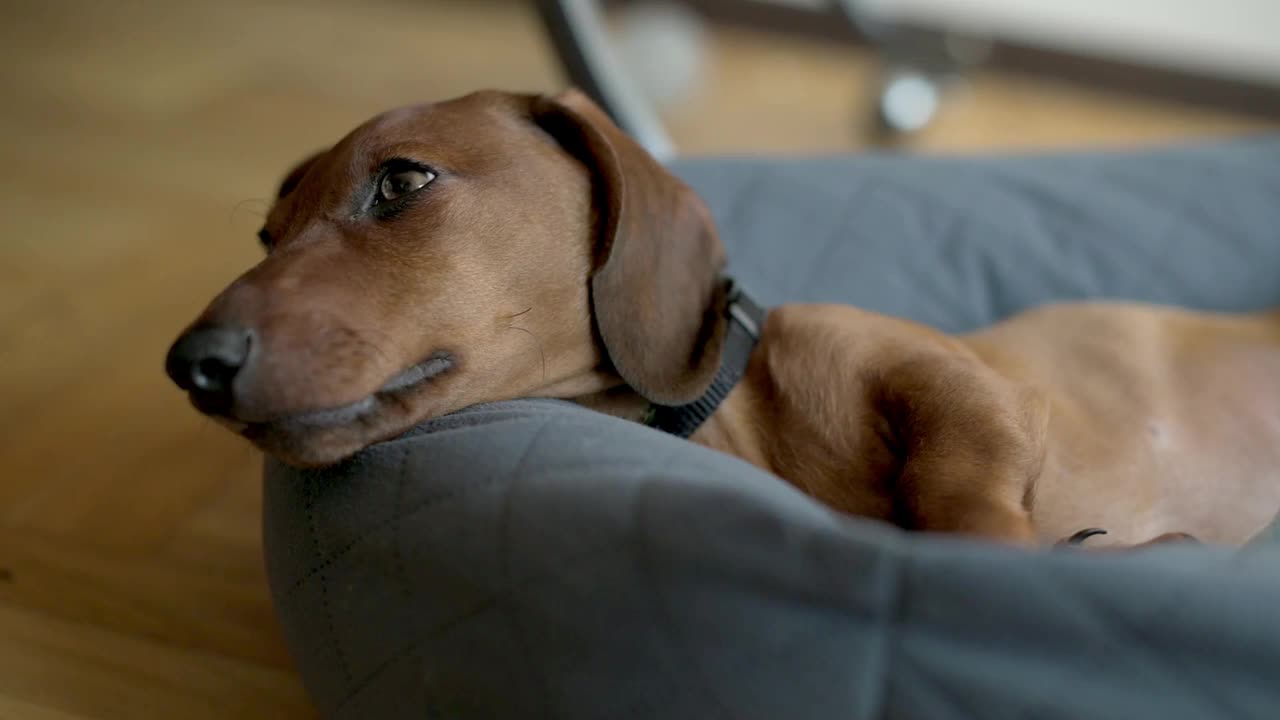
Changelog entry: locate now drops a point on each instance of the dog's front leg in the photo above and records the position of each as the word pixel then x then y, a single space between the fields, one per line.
pixel 971 445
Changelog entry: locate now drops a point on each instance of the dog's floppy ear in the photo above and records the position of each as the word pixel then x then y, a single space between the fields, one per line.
pixel 656 291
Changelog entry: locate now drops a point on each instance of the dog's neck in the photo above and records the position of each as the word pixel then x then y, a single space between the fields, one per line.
pixel 617 399
pixel 731 428
pixel 744 319
pixel 610 394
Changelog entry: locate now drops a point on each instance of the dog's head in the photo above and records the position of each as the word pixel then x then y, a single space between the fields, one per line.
pixel 490 247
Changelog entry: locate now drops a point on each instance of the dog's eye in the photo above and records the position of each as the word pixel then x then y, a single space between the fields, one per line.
pixel 396 184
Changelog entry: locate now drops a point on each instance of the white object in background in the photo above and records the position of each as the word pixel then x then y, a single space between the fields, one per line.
pixel 663 48
pixel 909 101
pixel 1237 38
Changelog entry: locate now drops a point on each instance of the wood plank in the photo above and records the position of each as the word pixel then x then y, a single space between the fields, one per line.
pixel 11 709
pixel 159 599
pixel 82 671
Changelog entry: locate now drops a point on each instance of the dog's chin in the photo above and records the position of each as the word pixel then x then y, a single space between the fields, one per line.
pixel 324 437
pixel 311 449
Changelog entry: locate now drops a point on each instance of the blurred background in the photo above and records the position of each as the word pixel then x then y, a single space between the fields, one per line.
pixel 142 139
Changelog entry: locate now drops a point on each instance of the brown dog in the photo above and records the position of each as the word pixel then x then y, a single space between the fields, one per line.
pixel 500 246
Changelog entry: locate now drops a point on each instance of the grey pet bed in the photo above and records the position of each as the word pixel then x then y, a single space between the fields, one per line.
pixel 532 559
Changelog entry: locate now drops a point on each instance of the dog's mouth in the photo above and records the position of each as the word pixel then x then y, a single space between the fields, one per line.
pixel 400 385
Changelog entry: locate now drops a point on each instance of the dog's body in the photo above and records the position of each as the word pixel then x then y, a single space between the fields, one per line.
pixel 1141 420
pixel 502 246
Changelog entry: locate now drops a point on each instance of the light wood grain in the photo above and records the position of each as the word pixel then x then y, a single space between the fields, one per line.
pixel 140 140
pixel 82 670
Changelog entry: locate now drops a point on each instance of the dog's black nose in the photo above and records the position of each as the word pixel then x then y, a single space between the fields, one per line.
pixel 205 361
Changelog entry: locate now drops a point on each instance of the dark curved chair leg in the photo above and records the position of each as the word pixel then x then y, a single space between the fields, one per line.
pixel 582 44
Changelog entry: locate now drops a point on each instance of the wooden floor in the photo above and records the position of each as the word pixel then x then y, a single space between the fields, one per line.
pixel 140 139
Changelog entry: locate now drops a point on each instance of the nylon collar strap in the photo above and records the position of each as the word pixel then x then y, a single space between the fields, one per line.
pixel 745 320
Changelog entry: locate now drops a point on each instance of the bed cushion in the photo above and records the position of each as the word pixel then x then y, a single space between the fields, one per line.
pixel 534 559
pixel 961 241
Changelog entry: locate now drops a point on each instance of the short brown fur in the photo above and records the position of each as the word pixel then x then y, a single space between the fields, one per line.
pixel 553 257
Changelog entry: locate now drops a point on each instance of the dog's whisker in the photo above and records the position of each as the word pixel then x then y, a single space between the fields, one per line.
pixel 522 312
pixel 542 351
pixel 262 213
pixel 386 338
pixel 376 347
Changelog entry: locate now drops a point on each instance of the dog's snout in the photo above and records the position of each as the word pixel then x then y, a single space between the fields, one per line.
pixel 205 362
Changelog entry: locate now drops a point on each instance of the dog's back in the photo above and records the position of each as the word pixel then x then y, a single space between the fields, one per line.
pixel 1160 418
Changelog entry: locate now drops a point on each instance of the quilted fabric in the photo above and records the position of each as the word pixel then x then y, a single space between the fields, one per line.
pixel 533 559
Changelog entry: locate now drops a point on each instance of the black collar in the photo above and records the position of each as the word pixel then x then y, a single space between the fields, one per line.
pixel 745 320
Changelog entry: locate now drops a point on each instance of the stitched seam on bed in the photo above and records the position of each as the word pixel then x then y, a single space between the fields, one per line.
pixel 326 610
pixel 397 555
pixel 414 509
pixel 504 553
pixel 487 604
pixel 1133 636
pixel 661 609
pixel 840 233
pixel 894 607
pixel 953 208
pixel 479 608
